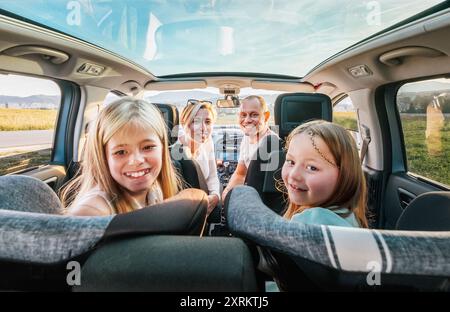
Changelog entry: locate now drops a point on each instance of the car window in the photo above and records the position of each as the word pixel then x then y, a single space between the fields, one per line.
pixel 344 114
pixel 28 110
pixel 424 109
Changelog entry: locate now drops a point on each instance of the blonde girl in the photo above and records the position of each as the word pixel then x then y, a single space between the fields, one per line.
pixel 126 164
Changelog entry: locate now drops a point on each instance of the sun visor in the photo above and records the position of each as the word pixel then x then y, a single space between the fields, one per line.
pixel 176 85
pixel 283 86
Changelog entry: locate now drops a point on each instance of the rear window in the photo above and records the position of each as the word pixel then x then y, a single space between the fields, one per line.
pixel 424 109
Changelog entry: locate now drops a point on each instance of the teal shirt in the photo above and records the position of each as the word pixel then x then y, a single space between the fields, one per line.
pixel 325 216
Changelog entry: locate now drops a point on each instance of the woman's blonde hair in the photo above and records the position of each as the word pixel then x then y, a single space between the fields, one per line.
pixel 192 108
pixel 94 166
pixel 350 190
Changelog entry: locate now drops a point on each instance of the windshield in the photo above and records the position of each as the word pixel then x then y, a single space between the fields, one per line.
pixel 225 116
pixel 192 36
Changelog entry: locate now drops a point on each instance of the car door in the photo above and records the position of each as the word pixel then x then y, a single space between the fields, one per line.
pixel 36 127
pixel 416 131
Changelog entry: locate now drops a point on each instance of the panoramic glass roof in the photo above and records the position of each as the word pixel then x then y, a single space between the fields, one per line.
pixel 284 37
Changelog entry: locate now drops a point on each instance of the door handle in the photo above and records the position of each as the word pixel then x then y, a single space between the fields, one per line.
pixel 53 55
pixel 405 197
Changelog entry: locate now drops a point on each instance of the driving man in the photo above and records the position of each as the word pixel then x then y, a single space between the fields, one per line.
pixel 254 122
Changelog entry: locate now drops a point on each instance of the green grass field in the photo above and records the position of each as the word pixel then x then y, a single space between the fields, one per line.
pixel 12 119
pixel 430 159
pixel 346 119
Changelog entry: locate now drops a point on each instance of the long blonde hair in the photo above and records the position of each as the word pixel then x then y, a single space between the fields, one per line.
pixel 191 109
pixel 94 166
pixel 350 190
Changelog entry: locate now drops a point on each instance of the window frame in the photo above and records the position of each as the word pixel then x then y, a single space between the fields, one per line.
pixel 396 130
pixel 57 155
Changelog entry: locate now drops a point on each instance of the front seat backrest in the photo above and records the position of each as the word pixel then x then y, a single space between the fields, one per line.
pixel 265 170
pixel 293 109
pixel 171 117
pixel 188 168
pixel 24 193
pixel 427 212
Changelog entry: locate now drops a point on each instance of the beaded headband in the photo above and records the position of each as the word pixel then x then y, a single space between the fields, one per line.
pixel 311 136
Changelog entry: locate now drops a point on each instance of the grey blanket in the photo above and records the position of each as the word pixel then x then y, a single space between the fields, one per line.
pixel 347 249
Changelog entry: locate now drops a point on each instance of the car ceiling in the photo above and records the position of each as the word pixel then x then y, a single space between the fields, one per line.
pixel 332 77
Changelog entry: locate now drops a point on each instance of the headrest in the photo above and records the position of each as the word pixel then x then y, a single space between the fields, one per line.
pixel 293 109
pixel 171 117
pixel 427 212
pixel 45 238
pixel 341 248
pixel 24 193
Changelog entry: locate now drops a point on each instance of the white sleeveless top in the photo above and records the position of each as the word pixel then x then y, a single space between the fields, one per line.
pixel 154 196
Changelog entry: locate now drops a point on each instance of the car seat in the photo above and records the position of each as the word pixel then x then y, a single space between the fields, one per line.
pixel 114 252
pixel 324 257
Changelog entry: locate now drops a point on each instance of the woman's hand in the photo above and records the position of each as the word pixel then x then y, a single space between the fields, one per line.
pixel 213 200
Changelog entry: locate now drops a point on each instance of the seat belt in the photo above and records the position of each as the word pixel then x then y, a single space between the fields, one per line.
pixel 365 135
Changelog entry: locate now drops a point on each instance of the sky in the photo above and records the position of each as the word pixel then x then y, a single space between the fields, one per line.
pixel 183 36
pixel 14 85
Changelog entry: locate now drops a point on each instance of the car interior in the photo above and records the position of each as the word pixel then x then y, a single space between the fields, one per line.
pixel 175 245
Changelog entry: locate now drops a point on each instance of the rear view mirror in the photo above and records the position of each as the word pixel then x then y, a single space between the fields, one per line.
pixel 229 102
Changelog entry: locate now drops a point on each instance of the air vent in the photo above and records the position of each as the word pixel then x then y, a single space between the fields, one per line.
pixel 91 69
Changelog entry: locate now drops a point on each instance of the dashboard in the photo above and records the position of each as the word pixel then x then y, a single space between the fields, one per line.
pixel 226 144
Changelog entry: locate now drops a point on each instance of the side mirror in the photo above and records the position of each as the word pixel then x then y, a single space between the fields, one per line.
pixel 228 102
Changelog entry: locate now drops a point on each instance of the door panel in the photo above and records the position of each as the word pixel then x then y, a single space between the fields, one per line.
pixel 401 188
pixel 53 175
